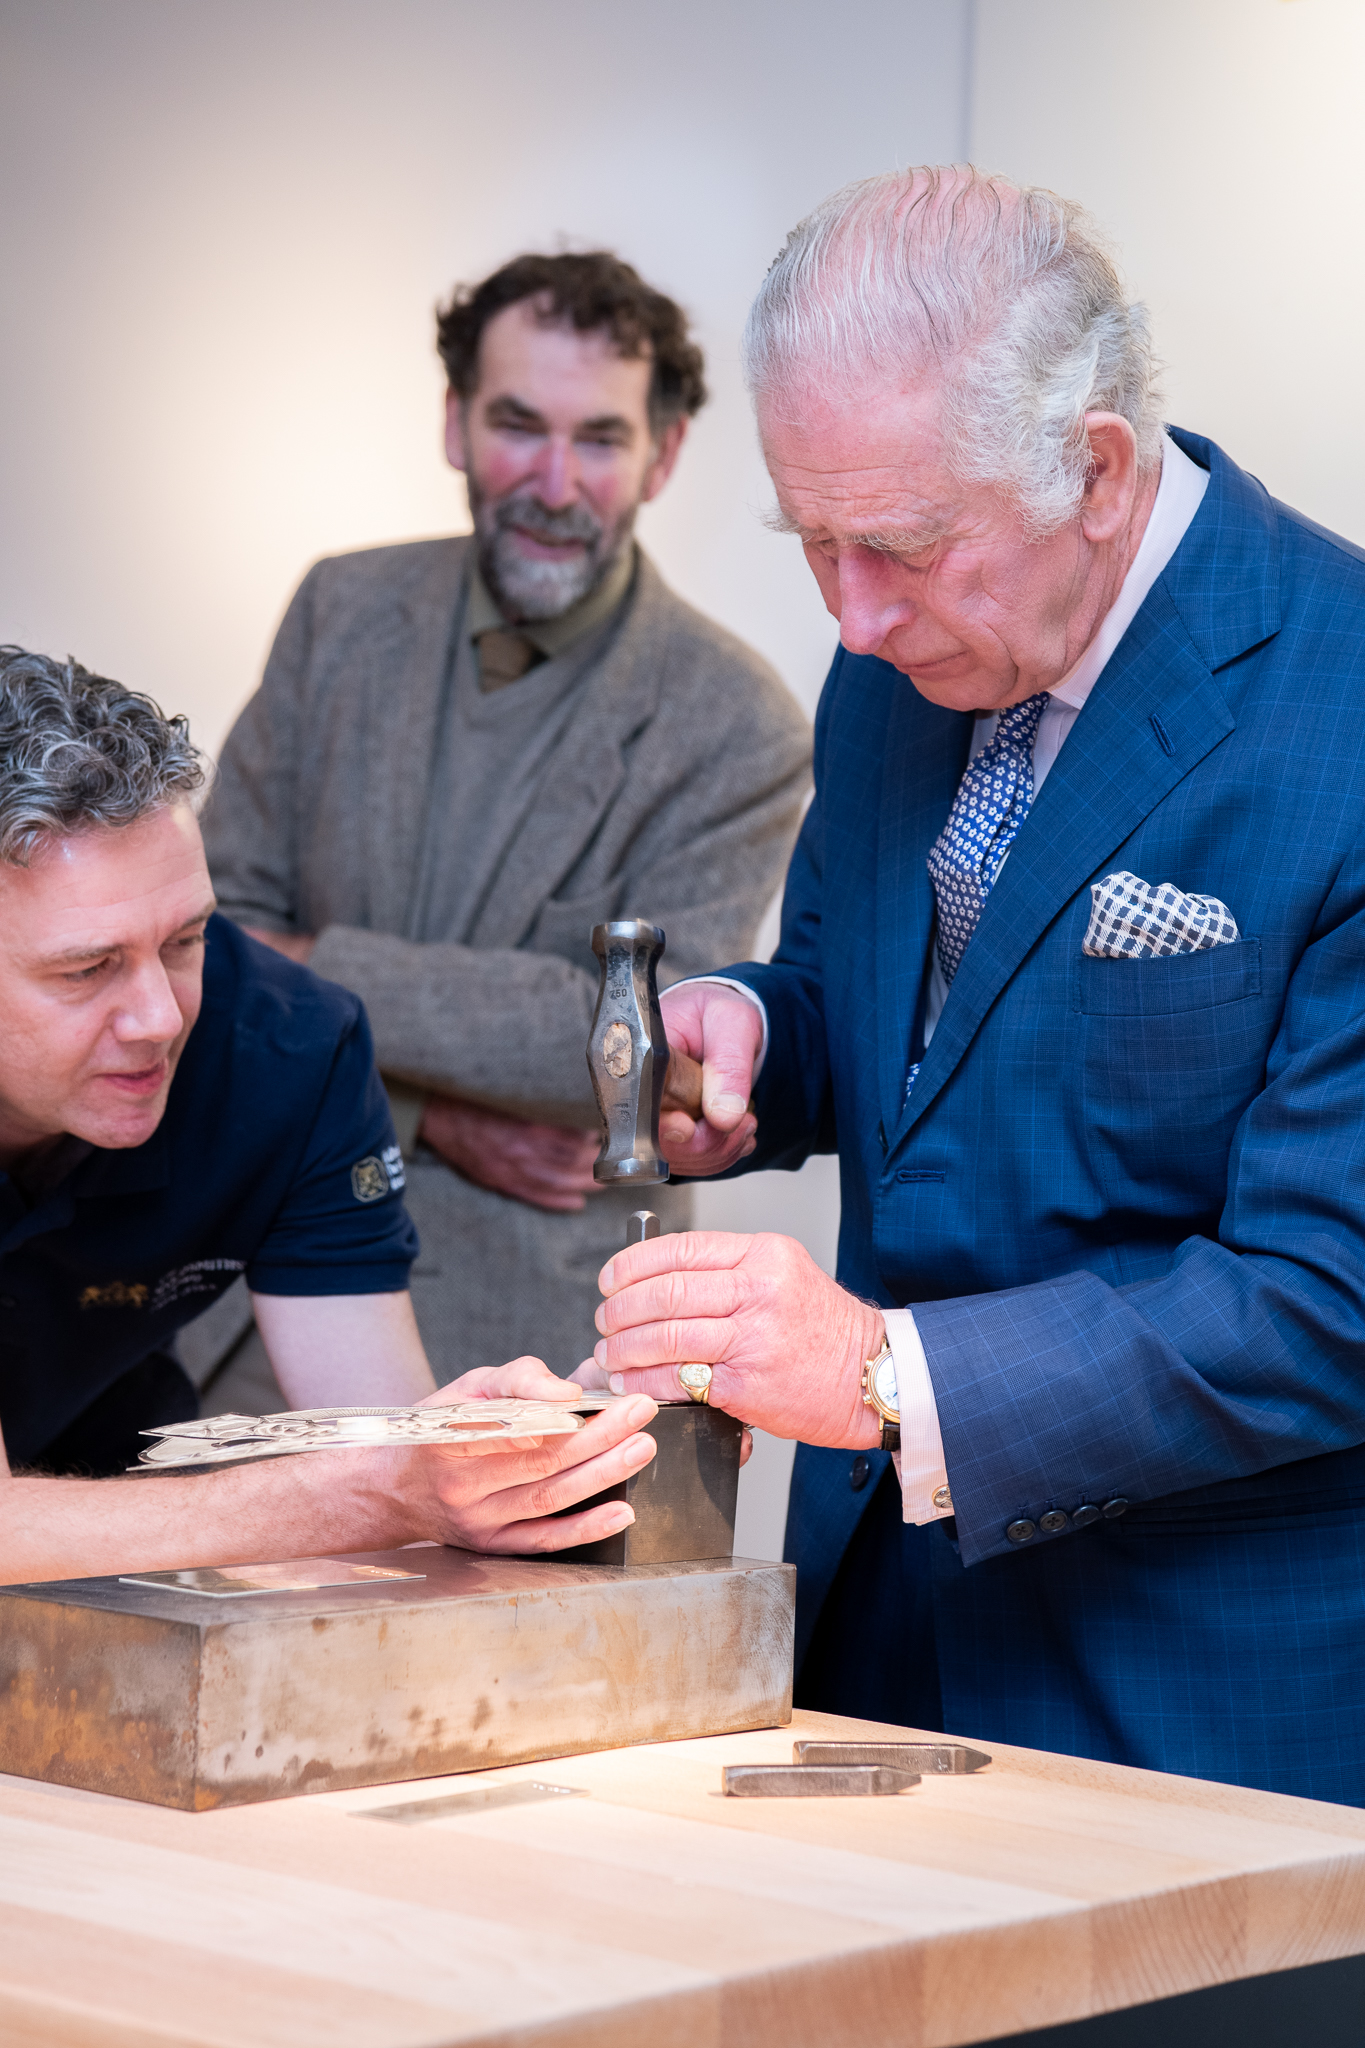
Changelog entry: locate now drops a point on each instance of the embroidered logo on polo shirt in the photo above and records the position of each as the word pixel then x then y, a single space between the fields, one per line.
pixel 201 1276
pixel 380 1174
pixel 114 1294
pixel 369 1182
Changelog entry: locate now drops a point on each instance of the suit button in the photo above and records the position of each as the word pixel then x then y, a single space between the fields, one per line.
pixel 1022 1531
pixel 859 1473
pixel 1112 1509
pixel 1053 1522
pixel 1084 1515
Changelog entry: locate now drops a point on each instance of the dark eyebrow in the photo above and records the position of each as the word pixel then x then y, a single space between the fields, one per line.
pixel 515 408
pixel 75 954
pixel 609 423
pixel 200 917
pixel 512 409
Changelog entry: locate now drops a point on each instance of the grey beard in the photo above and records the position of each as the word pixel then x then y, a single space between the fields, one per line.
pixel 529 590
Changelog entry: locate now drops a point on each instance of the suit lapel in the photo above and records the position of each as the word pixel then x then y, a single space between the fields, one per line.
pixel 926 752
pixel 586 771
pixel 405 664
pixel 1111 773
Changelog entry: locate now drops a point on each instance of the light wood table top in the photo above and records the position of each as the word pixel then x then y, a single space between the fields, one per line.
pixel 657 1912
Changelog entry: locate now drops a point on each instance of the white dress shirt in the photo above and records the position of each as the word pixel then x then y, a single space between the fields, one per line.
pixel 920 1462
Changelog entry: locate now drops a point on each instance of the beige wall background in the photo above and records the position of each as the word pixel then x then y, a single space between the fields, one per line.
pixel 1222 143
pixel 222 235
pixel 223 231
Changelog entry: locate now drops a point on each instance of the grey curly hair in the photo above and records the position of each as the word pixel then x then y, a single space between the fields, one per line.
pixel 77 750
pixel 1006 294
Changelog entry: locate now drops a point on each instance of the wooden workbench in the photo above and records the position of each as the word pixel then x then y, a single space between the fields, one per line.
pixel 656 1913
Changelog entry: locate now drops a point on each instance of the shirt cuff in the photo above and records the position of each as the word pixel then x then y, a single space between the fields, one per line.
pixel 919 1461
pixel 741 989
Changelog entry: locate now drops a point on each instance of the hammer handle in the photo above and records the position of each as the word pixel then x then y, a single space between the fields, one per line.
pixel 682 1084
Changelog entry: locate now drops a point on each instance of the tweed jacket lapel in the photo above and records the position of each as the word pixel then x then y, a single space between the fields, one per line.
pixel 1155 713
pixel 588 769
pixel 402 661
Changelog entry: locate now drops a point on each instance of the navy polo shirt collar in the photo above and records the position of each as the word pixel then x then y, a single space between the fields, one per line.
pixel 134 1171
pixel 98 1173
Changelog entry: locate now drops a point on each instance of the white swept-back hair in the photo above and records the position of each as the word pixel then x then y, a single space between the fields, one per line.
pixel 1005 296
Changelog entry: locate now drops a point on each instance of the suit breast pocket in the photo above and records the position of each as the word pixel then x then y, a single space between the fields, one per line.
pixel 1173 1051
pixel 1171 987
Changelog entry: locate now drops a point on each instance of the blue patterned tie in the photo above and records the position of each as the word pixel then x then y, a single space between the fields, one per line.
pixel 991 804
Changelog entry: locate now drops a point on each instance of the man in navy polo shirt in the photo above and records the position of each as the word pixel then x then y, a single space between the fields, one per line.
pixel 179 1105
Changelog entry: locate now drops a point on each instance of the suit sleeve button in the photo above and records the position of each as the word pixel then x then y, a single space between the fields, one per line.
pixel 1053 1522
pixel 1022 1531
pixel 1112 1509
pixel 860 1471
pixel 1084 1515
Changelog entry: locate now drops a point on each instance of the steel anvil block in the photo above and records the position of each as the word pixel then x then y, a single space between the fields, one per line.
pixel 684 1499
pixel 157 1694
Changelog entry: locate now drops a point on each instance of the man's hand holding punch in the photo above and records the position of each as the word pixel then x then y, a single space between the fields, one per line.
pixel 786 1344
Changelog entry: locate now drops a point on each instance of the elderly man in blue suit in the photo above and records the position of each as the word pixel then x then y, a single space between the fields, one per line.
pixel 1072 975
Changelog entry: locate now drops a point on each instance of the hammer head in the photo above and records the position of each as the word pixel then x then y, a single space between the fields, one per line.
pixel 628 1052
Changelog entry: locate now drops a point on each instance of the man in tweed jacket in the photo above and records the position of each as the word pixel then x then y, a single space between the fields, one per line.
pixel 466 752
pixel 1072 973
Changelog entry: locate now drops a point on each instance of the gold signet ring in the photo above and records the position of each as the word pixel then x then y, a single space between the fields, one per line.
pixel 695 1381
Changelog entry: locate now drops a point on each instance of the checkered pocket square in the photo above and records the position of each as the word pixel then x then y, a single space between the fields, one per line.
pixel 1136 920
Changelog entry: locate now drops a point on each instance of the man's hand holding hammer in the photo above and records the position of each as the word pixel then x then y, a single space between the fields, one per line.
pixel 714 1040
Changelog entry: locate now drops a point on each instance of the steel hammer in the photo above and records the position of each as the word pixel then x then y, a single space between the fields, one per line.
pixel 629 1056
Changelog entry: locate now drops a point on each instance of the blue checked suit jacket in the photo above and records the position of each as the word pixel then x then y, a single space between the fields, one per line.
pixel 1126 1198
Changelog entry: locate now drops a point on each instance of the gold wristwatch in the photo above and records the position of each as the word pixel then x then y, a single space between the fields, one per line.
pixel 881 1395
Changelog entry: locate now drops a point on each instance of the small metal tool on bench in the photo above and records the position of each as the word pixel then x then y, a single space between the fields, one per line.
pixel 629 1057
pixel 931 1759
pixel 851 1769
pixel 815 1781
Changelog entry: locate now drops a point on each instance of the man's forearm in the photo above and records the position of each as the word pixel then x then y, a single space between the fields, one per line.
pixel 290 1507
pixel 492 1495
pixel 503 1029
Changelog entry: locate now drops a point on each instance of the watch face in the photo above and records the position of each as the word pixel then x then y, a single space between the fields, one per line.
pixel 884 1385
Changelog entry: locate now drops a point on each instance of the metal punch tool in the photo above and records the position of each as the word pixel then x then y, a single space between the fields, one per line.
pixel 816 1781
pixel 931 1759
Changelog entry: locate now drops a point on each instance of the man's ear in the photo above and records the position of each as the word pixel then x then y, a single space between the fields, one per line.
pixel 1113 484
pixel 665 455
pixel 455 446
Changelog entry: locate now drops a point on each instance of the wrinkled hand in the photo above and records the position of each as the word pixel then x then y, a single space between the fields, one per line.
pixel 724 1032
pixel 495 1496
pixel 542 1164
pixel 294 945
pixel 786 1342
